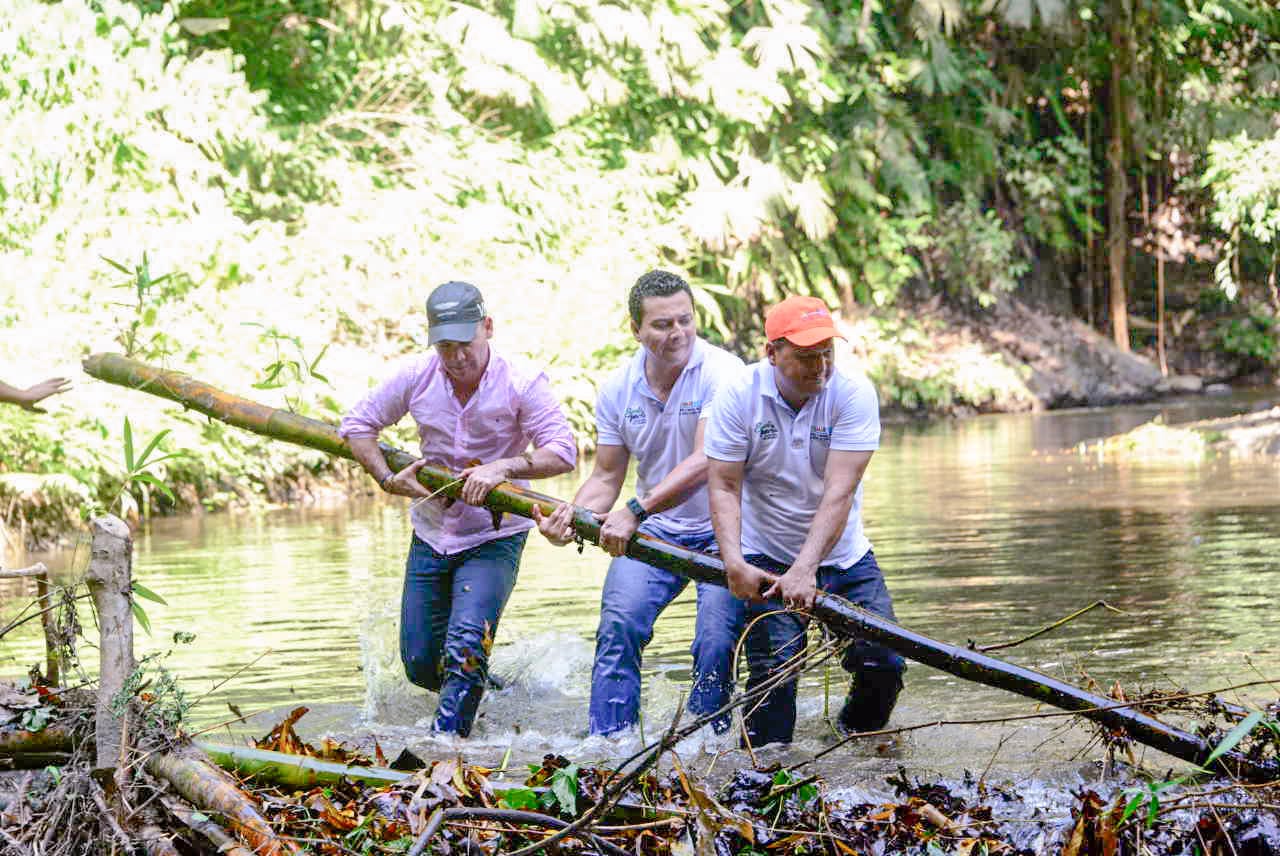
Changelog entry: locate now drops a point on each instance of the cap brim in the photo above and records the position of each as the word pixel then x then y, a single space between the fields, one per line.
pixel 463 332
pixel 812 336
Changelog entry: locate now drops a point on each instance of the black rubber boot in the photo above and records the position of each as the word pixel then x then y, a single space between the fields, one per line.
pixel 870 700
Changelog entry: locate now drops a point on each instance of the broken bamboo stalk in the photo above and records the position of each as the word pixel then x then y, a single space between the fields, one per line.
pixel 302 773
pixel 837 613
pixel 110 582
pixel 213 791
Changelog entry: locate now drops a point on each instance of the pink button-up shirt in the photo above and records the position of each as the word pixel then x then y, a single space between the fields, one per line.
pixel 513 406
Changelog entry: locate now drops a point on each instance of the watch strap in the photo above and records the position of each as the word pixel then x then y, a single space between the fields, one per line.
pixel 634 506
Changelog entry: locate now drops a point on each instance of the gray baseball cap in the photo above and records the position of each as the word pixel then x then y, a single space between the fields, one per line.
pixel 454 311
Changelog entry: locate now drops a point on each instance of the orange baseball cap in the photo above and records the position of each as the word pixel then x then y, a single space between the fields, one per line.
pixel 802 321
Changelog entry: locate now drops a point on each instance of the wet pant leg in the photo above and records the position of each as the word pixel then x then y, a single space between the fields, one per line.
pixel 634 594
pixel 771 642
pixel 875 670
pixel 719 624
pixel 449 617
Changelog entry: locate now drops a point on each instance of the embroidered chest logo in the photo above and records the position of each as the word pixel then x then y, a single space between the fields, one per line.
pixel 635 416
pixel 692 407
pixel 766 430
pixel 820 433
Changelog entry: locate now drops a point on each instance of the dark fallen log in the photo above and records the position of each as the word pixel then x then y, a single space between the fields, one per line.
pixel 837 613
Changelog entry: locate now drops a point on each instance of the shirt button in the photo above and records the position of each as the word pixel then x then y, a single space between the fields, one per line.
pixel 796 444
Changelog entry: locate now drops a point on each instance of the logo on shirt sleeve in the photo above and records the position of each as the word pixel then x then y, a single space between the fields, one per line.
pixel 820 433
pixel 692 407
pixel 766 430
pixel 635 416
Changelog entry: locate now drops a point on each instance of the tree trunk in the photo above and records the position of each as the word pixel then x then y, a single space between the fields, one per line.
pixel 1119 101
pixel 109 579
pixel 840 615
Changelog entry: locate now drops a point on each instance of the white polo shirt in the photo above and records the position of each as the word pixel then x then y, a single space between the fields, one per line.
pixel 660 436
pixel 786 453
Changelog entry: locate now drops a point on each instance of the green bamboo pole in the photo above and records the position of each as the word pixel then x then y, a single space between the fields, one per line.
pixel 835 612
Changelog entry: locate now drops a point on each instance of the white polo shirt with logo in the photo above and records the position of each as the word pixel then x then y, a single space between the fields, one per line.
pixel 785 454
pixel 659 436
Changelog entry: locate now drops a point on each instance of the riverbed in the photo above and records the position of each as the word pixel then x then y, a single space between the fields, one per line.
pixel 988 529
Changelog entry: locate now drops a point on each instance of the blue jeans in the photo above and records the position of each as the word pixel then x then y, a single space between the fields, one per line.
pixel 775 639
pixel 448 618
pixel 633 597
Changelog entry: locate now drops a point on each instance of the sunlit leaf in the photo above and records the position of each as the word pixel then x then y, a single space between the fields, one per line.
pixel 141 615
pixel 142 591
pixel 128 445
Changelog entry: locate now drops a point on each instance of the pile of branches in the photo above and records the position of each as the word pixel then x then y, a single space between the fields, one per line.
pixel 449 807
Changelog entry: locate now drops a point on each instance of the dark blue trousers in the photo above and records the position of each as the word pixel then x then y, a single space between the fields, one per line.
pixel 777 638
pixel 449 615
pixel 634 595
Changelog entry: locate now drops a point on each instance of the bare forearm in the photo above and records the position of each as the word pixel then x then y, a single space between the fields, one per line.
pixel 825 530
pixel 369 456
pixel 598 493
pixel 841 479
pixel 11 394
pixel 544 464
pixel 688 475
pixel 726 519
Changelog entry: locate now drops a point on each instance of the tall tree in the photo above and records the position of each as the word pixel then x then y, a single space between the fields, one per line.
pixel 1120 116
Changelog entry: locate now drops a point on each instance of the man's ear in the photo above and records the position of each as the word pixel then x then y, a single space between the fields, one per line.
pixel 771 353
pixel 635 329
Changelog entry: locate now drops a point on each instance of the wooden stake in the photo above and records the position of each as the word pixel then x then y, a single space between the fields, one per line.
pixel 109 578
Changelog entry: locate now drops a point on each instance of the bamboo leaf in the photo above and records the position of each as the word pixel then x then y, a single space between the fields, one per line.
pixel 155 441
pixel 141 614
pixel 124 270
pixel 1234 736
pixel 148 478
pixel 128 445
pixel 142 591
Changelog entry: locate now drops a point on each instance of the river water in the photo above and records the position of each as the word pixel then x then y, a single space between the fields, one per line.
pixel 988 529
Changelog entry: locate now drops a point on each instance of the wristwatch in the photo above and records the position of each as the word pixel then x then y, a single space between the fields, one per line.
pixel 382 482
pixel 634 506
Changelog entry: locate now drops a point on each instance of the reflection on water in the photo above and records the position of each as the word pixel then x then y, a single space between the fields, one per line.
pixel 988 529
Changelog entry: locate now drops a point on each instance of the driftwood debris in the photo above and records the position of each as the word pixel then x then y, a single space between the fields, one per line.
pixel 841 616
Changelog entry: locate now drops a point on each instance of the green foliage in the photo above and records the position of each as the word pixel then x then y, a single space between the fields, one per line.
pixel 520 799
pixel 974 255
pixel 561 794
pixel 1253 337
pixel 136 474
pixel 1149 794
pixel 162 702
pixel 1244 178
pixel 898 355
pixel 327 162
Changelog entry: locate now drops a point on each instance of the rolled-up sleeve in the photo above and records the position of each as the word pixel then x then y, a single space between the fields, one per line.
pixel 543 421
pixel 384 406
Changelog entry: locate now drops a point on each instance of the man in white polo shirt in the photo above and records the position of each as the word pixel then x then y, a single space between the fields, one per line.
pixel 654 408
pixel 787 445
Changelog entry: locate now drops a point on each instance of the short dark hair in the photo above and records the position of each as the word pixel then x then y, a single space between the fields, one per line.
pixel 655 283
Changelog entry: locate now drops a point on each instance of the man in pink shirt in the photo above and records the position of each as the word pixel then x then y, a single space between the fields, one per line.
pixel 471 405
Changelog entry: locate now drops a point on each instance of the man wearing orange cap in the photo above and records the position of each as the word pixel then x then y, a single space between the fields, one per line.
pixel 787 445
